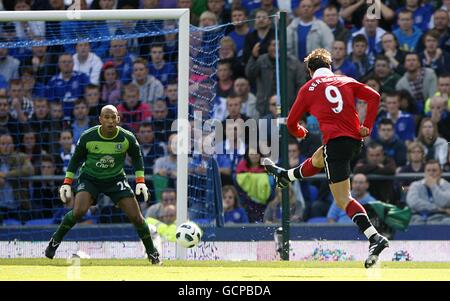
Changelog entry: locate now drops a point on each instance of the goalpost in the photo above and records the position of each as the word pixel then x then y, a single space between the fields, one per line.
pixel 182 15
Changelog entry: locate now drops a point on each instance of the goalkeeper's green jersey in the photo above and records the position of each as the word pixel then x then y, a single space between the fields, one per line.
pixel 104 158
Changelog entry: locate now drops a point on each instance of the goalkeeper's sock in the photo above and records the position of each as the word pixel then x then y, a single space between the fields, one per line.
pixel 304 170
pixel 359 216
pixel 145 236
pixel 67 223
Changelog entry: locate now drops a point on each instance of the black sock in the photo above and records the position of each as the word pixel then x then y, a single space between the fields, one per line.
pixel 363 223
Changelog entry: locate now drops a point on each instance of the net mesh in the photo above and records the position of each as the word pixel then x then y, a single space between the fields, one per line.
pixel 53 81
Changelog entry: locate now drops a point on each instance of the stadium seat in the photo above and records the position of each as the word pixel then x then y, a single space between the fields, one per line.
pixel 39 222
pixel 313 192
pixel 11 222
pixel 317 220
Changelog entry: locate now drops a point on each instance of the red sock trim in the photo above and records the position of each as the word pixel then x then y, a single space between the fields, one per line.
pixel 307 169
pixel 354 207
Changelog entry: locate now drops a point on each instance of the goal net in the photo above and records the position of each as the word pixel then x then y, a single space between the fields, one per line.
pixel 58 69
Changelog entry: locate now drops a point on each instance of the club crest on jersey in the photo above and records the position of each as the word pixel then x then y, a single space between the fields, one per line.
pixel 106 162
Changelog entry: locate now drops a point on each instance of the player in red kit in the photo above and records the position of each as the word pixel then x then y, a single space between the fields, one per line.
pixel 331 99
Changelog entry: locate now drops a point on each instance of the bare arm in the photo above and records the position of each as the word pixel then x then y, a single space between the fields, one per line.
pixel 348 12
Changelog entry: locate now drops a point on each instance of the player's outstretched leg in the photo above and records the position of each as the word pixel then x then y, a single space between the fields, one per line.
pixel 378 242
pixel 308 168
pixel 279 173
pixel 82 203
pixel 131 208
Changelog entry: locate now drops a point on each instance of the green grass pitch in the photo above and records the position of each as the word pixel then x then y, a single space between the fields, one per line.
pixel 137 269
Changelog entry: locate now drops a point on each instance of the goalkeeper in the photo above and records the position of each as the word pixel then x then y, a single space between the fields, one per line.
pixel 102 150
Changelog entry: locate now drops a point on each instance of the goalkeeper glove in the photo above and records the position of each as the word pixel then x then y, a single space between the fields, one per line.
pixel 65 192
pixel 141 187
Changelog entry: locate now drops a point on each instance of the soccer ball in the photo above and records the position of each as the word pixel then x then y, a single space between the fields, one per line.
pixel 188 234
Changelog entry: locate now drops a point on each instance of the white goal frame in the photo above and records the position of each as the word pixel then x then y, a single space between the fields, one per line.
pixel 182 15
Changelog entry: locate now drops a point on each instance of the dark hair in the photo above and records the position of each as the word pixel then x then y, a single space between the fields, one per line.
pixel 233 94
pixel 393 36
pixel 247 155
pixel 359 38
pixel 66 130
pixel 331 6
pixel 142 61
pixel 412 53
pixel 405 11
pixel 241 9
pixel 169 190
pixel 385 121
pixel 156 45
pixel 40 98
pixel 27 70
pixel 80 101
pixel 444 75
pixel 47 158
pixel 392 94
pixel 434 33
pixel 258 10
pixel 292 140
pixel 374 145
pixel 146 124
pixel 225 62
pixel 172 82
pixel 382 57
pixel 91 86
pixel 433 161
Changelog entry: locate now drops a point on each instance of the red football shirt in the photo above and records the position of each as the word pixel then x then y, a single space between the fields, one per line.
pixel 331 99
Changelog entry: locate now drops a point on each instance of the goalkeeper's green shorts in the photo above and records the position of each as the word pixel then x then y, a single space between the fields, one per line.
pixel 116 190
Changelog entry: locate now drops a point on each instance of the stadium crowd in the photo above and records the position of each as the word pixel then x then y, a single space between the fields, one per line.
pixel 50 94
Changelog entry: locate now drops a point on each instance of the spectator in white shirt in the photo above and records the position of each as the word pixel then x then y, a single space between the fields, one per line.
pixel 87 62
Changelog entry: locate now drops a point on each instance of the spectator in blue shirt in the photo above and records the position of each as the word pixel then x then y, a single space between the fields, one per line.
pixel 241 29
pixel 65 152
pixel 404 123
pixel 360 185
pixel 392 146
pixel 68 85
pixel 408 35
pixel 123 62
pixel 433 56
pixel 341 65
pixel 373 34
pixel 232 211
pixel 359 56
pixel 151 149
pixel 421 12
pixel 31 87
pixel 158 67
pixel 81 121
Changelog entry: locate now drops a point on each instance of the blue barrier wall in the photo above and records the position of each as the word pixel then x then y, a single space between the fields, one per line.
pixel 230 233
